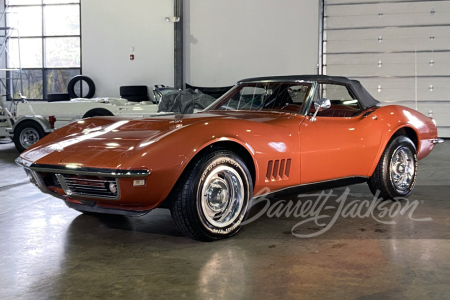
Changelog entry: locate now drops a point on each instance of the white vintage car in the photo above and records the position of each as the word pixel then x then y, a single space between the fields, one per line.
pixel 36 119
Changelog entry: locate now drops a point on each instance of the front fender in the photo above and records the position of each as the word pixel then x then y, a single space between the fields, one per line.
pixel 168 156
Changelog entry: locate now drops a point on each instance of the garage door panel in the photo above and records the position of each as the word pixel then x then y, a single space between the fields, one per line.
pixel 392 95
pixel 388 58
pixel 439 112
pixel 417 33
pixel 393 89
pixel 387 45
pixel 388 69
pixel 408 94
pixel 389 9
pixel 331 3
pixel 408 83
pixel 387 20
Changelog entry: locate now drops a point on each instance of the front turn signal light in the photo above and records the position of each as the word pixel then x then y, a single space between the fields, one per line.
pixel 139 182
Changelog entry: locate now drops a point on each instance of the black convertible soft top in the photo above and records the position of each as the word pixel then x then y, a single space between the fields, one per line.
pixel 365 99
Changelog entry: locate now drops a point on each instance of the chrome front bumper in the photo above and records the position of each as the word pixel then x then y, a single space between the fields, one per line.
pixel 437 141
pixel 32 170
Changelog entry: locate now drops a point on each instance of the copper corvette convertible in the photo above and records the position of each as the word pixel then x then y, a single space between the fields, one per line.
pixel 277 133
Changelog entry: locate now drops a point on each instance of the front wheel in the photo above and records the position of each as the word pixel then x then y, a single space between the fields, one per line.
pixel 212 197
pixel 396 172
pixel 26 134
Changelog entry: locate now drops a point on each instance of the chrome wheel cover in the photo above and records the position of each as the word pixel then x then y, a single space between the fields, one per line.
pixel 28 137
pixel 402 168
pixel 222 197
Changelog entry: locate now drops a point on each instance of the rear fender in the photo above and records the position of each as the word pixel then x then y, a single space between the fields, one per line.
pixel 394 118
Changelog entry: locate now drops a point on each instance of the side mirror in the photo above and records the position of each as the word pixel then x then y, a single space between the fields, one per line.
pixel 323 103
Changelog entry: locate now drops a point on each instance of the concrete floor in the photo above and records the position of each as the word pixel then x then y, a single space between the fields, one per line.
pixel 49 251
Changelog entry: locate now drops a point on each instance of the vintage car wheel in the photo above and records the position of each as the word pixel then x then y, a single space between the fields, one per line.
pixel 211 199
pixel 97 112
pixel 396 172
pixel 26 134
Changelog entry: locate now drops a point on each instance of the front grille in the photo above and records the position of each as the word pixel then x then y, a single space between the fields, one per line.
pixel 97 186
pixel 89 186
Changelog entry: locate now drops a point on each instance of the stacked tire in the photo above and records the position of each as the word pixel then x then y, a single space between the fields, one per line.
pixel 135 93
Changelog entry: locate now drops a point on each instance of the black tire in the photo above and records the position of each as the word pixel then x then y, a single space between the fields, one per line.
pixel 186 207
pixel 133 90
pixel 58 97
pixel 74 80
pixel 98 112
pixel 388 167
pixel 26 134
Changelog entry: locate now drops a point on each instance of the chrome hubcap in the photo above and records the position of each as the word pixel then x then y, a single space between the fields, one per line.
pixel 222 196
pixel 28 137
pixel 402 168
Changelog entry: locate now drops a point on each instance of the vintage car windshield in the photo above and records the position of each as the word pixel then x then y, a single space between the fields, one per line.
pixel 267 96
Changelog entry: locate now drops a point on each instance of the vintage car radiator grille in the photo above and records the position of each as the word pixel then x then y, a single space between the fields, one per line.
pixel 53 181
pixel 278 170
pixel 98 187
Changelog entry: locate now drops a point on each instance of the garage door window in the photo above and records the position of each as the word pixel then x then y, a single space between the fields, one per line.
pixel 50 45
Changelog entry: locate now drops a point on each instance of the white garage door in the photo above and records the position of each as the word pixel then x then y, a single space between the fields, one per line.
pixel 398 49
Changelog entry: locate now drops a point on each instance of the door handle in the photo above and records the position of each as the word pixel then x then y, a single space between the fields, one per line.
pixel 368 113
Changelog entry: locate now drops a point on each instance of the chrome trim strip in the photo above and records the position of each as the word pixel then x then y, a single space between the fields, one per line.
pixel 311 183
pixel 82 170
pixel 309 99
pixel 63 184
pixel 277 80
pixel 437 141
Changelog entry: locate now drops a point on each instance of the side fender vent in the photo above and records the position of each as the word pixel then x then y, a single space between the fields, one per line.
pixel 278 170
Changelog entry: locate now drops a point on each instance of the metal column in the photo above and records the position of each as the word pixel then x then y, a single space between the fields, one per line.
pixel 178 45
pixel 321 21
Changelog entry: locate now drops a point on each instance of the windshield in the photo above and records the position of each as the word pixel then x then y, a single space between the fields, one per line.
pixel 273 96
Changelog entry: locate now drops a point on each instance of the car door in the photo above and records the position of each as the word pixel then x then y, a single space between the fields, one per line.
pixel 342 141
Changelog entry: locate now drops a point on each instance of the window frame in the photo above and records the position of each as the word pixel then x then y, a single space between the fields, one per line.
pixel 43 36
pixel 350 91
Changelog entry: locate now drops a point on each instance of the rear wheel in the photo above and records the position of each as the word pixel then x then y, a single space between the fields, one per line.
pixel 26 134
pixel 396 172
pixel 211 199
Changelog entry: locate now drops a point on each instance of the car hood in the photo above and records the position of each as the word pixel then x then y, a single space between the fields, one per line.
pixel 95 141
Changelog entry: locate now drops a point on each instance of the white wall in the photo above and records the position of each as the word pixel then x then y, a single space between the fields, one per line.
pixel 226 41
pixel 111 27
